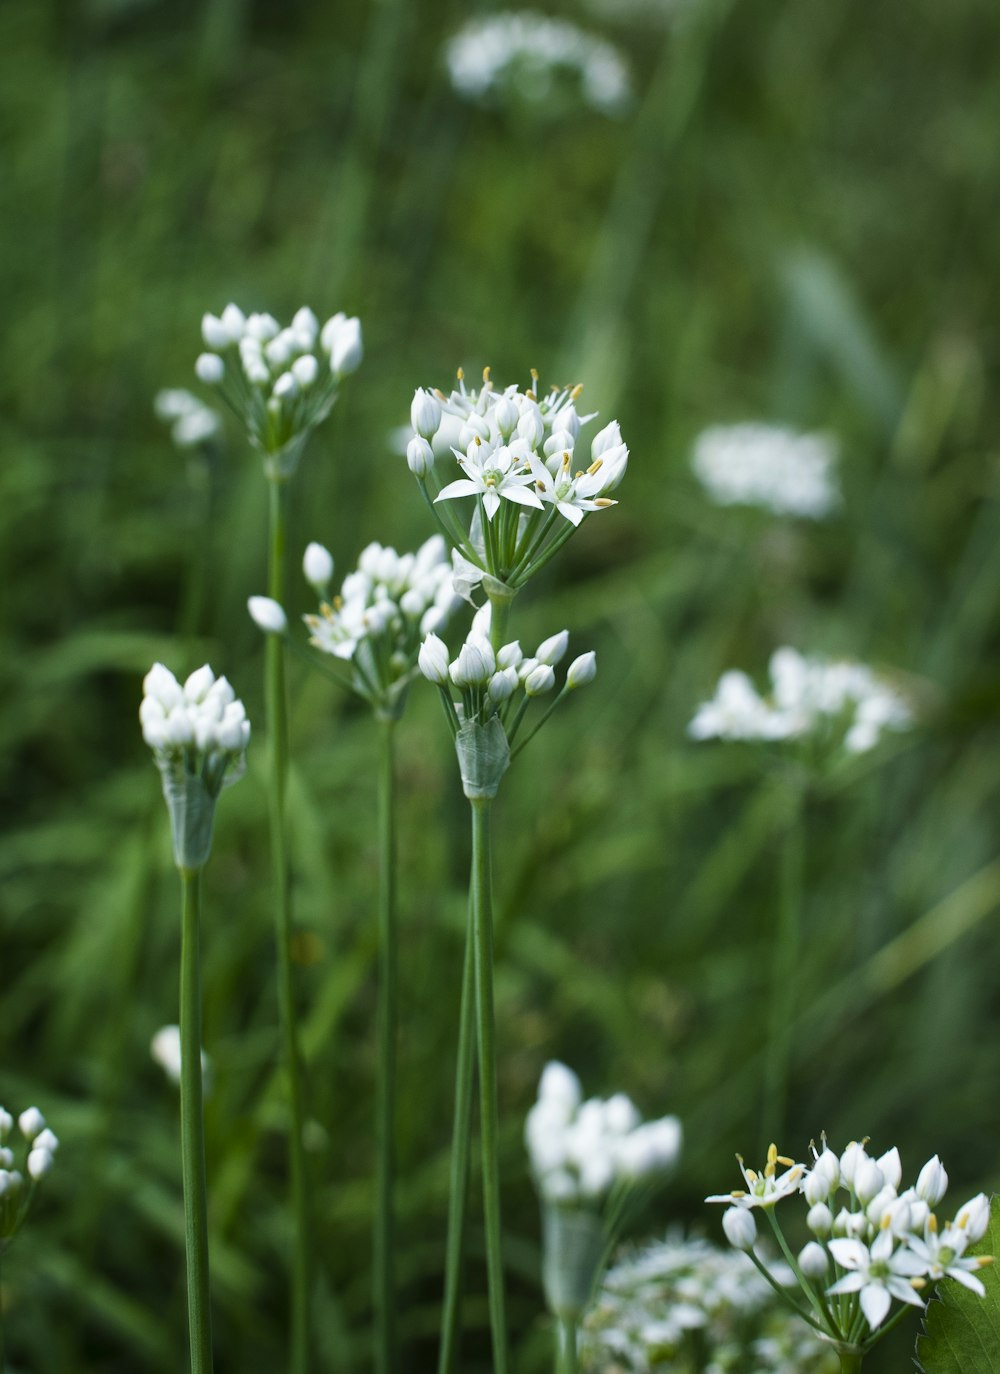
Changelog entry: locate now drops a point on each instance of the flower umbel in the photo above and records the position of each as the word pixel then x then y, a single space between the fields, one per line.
pixel 26 1156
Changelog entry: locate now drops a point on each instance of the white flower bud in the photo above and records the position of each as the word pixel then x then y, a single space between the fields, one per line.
pixel 553 649
pixel 740 1228
pixel 235 322
pixel 6 1123
pixel 280 351
pixel 199 684
pixel 531 426
pixel 475 664
pixel 891 1166
pixel 305 370
pixel 433 660
pixel 257 372
pixel 510 655
pixel 607 438
pixel 932 1182
pixel 317 564
pixel 425 413
pixel 214 332
pixel 419 456
pixel 540 680
pixel 31 1122
pixel 557 444
pixel 819 1219
pixel 503 685
pixel 160 684
pixel 267 615
pixel 209 368
pixel 304 322
pixel 261 327
pixel 868 1180
pixel 39 1162
pixel 233 731
pixel 582 670
pixel 849 1162
pixel 6 1158
pixel 10 1181
pixel 813 1260
pixel 347 350
pixel 560 1087
pixel 285 388
pixel 816 1187
pixel 505 415
pixel 974 1217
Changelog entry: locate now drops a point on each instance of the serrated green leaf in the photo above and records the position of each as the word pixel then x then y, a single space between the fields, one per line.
pixel 961 1332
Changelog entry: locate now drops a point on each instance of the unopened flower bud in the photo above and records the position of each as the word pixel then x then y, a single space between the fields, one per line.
pixel 304 322
pixel 932 1182
pixel 502 685
pixel 475 664
pixel 39 1162
pixel 419 456
pixel 317 564
pixel 813 1260
pixel 553 649
pixel 31 1122
pixel 214 332
pixel 267 615
pixel 506 416
pixel 433 660
pixel 868 1180
pixel 425 413
pixel 347 349
pixel 235 321
pixel 607 438
pixel 582 670
pixel 891 1166
pixel 849 1162
pixel 6 1123
pixel 819 1219
pixel 209 368
pixel 540 680
pixel 510 655
pixel 740 1228
pixel 305 370
pixel 974 1217
pixel 285 388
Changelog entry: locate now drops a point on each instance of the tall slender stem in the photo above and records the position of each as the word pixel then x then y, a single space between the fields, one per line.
pixel 451 1313
pixel 277 721
pixel 385 1079
pixel 3 1344
pixel 850 1362
pixel 568 1361
pixel 193 1128
pixel 784 964
pixel 482 883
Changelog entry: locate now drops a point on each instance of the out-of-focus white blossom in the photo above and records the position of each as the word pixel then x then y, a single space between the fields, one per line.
pixel 191 421
pixel 844 703
pixel 768 466
pixel 25 1159
pixel 267 614
pixel 165 1047
pixel 523 55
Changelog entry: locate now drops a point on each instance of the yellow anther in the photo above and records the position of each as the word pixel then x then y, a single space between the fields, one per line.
pixel 885 1223
pixel 486 375
pixel 578 474
pixel 479 441
pixel 567 458
pixel 603 501
pixel 769 1170
pixel 594 467
pixel 440 395
pixel 576 391
pixel 738 1192
pixel 984 1260
pixel 783 1159
pixel 751 1176
pixel 338 601
pixel 460 374
pixel 530 395
pixel 772 1153
pixel 918 1283
pixel 932 1224
pixel 533 372
pixel 962 1221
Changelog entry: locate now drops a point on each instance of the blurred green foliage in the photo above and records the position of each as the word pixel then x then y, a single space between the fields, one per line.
pixel 797 221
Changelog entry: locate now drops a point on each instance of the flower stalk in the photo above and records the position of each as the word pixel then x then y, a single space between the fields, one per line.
pixel 385 1079
pixel 568 1357
pixel 277 726
pixel 193 1127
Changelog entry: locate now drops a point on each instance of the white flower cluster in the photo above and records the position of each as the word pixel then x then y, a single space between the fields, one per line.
pixel 524 53
pixel 191 421
pixel 687 1306
pixel 385 608
pixel 165 1048
pixel 40 1146
pixel 280 382
pixel 201 722
pixel 768 466
pixel 876 1241
pixel 580 1150
pixel 516 454
pixel 809 696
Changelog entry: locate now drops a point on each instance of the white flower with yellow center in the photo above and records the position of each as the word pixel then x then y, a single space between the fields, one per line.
pixel 768 1187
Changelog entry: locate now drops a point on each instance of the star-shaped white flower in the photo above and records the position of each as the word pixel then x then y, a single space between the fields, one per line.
pixel 942 1254
pixel 877 1273
pixel 492 473
pixel 768 1187
pixel 572 495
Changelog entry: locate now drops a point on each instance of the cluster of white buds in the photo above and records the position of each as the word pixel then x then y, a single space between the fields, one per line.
pixel 495 690
pixel 873 1241
pixel 199 734
pixel 768 466
pixel 385 608
pixel 685 1304
pixel 191 421
pixel 524 55
pixel 518 456
pixel 833 703
pixel 39 1146
pixel 580 1151
pixel 165 1048
pixel 280 382
pixel 589 1160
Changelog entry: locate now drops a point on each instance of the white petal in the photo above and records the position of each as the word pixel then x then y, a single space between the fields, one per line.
pixel 875 1304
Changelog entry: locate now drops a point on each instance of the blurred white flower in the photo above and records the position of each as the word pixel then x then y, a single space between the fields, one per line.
pixel 191 421
pixel 768 466
pixel 524 54
pixel 165 1048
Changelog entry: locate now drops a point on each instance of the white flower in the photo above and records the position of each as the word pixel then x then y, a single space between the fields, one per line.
pixel 191 422
pixel 419 456
pixel 475 664
pixel 768 466
pixel 973 1217
pixel 553 649
pixel 932 1182
pixel 541 679
pixel 813 1260
pixel 433 660
pixel 582 670
pixel 40 1161
pixel 31 1122
pixel 165 1048
pixel 740 1228
pixel 209 368
pixel 425 414
pixel 573 495
pixel 267 614
pixel 490 474
pixel 317 566
pixel 768 1187
pixel 204 713
pixel 877 1274
pixel 341 337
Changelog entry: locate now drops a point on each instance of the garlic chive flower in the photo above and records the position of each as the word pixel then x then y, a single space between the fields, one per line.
pixel 385 610
pixel 487 695
pixel 588 1160
pixel 191 422
pixel 770 467
pixel 165 1048
pixel 520 56
pixel 829 704
pixel 280 382
pixel 522 462
pixel 874 1242
pixel 198 733
pixel 26 1156
pixel 684 1304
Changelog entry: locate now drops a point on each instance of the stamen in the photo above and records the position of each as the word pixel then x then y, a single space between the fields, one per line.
pixel 595 467
pixel 486 376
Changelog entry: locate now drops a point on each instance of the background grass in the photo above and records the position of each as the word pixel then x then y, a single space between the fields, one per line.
pixel 796 220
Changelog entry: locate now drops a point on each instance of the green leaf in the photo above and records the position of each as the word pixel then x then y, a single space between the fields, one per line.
pixel 962 1331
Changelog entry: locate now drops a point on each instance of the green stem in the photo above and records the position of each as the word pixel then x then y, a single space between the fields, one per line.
pixel 482 882
pixel 850 1361
pixel 451 1314
pixel 193 1129
pixel 567 1361
pixel 785 965
pixel 277 722
pixel 385 1080
pixel 499 620
pixel 3 1344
